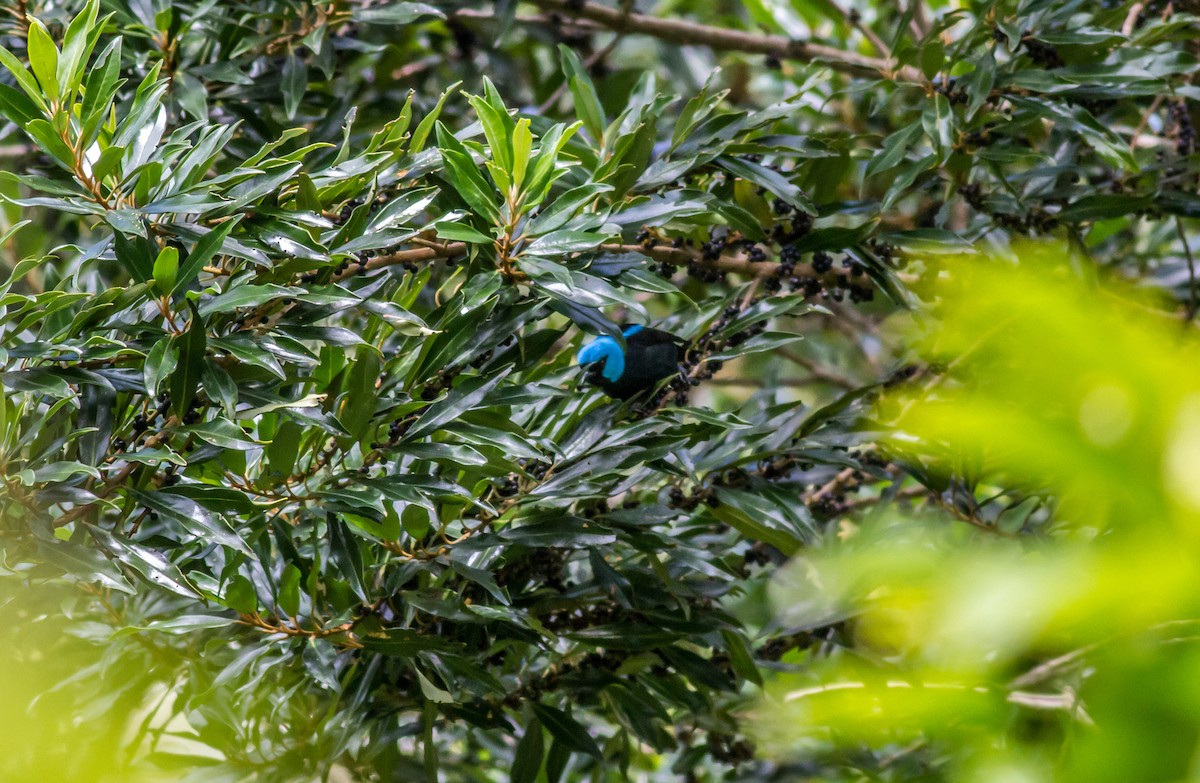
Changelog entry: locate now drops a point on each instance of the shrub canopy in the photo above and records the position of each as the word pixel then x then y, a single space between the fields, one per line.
pixel 300 480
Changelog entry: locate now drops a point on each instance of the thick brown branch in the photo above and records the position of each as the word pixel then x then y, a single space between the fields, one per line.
pixel 736 263
pixel 416 255
pixel 686 33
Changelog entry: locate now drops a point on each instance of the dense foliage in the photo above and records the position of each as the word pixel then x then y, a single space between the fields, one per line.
pixel 300 480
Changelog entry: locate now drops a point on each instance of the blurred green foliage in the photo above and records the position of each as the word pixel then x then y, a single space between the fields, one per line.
pixel 1069 655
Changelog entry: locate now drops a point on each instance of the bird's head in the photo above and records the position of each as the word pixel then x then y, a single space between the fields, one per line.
pixel 604 357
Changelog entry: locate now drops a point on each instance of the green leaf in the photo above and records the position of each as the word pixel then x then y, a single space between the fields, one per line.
pixel 758 519
pixel 60 471
pixel 562 242
pixel 289 590
pixel 432 692
pixel 43 58
pixel 192 344
pixel 344 552
pixel 203 251
pixel 425 126
pixel 44 135
pixel 394 14
pixel 284 448
pixel 527 759
pixel 24 78
pixel 193 518
pixel 239 595
pixel 630 157
pixel 101 85
pixel 136 255
pixel 567 730
pixel 77 46
pixel 565 207
pixel 895 147
pixel 556 760
pixel 156 569
pixel 405 643
pixel 771 180
pixel 741 658
pixel 356 407
pixel 84 563
pixel 497 125
pixel 546 161
pixel 240 296
pixel 938 121
pixel 979 83
pixel 461 399
pixel 16 107
pixel 933 55
pixel 221 432
pixel 295 82
pixel 460 232
pixel 166 270
pixel 522 142
pixel 583 92
pixel 463 174
pixel 160 364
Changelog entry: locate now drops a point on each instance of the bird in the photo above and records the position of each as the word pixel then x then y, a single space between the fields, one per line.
pixel 649 356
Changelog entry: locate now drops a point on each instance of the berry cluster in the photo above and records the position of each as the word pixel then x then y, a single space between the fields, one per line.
pixel 606 661
pixel 776 648
pixel 952 90
pixel 510 484
pixel 728 749
pixel 578 618
pixel 1185 131
pixel 440 382
pixel 1036 219
pixel 540 565
pixel 397 429
pixel 677 498
pixel 1043 54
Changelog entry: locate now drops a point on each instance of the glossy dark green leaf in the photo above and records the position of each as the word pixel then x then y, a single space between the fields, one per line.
pixel 203 252
pixel 461 399
pixel 185 380
pixel 239 595
pixel 295 82
pixel 587 102
pixel 527 761
pixel 566 729
pixel 289 590
pixel 557 759
pixel 357 406
pixel 345 553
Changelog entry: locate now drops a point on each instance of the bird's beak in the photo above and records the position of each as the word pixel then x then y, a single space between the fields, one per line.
pixel 592 371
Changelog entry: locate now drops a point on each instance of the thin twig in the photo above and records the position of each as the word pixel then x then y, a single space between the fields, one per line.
pixel 817 371
pixel 919 21
pixel 1141 126
pixel 855 20
pixel 1191 262
pixel 1131 18
pixel 597 57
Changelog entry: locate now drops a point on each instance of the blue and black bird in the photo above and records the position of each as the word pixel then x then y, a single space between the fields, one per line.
pixel 649 356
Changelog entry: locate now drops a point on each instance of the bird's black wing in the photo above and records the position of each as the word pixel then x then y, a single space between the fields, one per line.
pixel 650 356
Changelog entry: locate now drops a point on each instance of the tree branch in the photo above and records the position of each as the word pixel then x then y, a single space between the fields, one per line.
pixel 736 263
pixel 686 33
